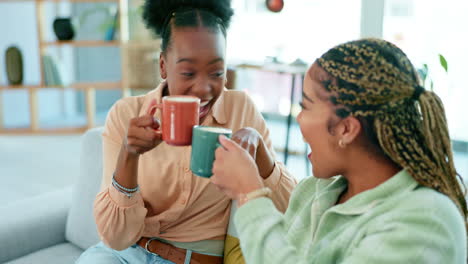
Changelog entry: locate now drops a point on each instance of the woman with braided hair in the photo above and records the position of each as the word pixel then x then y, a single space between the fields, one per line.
pixel 384 190
pixel 151 208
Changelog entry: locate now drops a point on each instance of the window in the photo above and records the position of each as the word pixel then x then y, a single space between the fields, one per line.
pixel 424 29
pixel 304 29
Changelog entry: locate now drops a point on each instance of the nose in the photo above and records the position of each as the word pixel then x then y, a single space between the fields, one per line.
pixel 201 88
pixel 298 117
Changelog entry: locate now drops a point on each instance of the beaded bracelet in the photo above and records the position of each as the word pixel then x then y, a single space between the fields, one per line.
pixel 127 191
pixel 122 191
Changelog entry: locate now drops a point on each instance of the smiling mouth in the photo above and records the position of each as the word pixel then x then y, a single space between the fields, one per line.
pixel 205 108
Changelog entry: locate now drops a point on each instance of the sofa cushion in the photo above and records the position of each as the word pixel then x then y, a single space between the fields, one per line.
pixel 81 228
pixel 33 223
pixel 58 254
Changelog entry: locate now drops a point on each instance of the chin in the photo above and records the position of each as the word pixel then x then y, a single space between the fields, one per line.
pixel 320 175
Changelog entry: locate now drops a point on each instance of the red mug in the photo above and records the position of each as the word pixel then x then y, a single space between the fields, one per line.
pixel 179 114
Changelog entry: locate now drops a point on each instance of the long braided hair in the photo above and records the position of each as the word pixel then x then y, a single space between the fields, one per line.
pixel 374 81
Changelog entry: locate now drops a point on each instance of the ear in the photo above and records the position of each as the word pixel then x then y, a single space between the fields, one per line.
pixel 162 66
pixel 349 129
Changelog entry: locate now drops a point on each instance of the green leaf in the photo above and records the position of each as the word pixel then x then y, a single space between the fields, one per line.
pixel 443 62
pixel 423 73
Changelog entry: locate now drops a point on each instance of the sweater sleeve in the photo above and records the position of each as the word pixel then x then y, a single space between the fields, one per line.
pixel 262 232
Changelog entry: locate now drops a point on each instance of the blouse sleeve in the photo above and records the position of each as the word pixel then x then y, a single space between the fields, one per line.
pixel 119 219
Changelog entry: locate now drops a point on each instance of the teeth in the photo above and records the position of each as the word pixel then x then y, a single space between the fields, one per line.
pixel 205 103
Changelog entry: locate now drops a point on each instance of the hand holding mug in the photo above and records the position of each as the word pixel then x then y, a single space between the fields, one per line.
pixel 249 139
pixel 234 170
pixel 142 133
pixel 204 144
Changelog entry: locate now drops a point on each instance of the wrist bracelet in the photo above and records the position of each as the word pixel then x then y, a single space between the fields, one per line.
pixel 128 194
pixel 128 190
pixel 262 192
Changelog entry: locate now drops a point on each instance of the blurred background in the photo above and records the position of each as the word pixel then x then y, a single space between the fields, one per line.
pixel 64 63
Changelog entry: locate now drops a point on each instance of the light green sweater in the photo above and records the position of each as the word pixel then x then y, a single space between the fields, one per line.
pixel 397 222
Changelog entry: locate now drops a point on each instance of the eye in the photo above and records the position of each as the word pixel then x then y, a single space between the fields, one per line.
pixel 302 105
pixel 218 74
pixel 188 74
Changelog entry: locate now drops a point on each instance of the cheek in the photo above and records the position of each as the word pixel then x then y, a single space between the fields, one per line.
pixel 217 87
pixel 311 127
pixel 174 88
pixel 315 132
pixel 176 85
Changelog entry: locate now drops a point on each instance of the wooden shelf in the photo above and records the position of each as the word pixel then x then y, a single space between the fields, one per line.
pixel 80 1
pixel 276 68
pixel 17 87
pixel 84 43
pixel 87 88
pixel 97 85
pixel 29 131
pixel 63 1
pixel 78 86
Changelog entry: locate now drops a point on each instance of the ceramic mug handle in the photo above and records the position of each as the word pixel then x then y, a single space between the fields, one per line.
pixel 152 110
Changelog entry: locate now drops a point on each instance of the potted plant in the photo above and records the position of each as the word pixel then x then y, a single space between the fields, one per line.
pixel 425 74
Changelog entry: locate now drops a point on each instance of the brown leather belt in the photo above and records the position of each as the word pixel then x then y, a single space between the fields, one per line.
pixel 175 254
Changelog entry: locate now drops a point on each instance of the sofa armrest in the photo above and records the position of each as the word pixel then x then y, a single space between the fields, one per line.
pixel 33 223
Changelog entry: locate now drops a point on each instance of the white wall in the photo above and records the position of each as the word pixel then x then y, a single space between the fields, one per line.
pixel 372 12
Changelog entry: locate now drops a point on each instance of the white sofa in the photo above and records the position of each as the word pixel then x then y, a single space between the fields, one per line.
pixel 57 226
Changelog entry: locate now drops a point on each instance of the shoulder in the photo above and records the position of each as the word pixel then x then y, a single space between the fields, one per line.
pixel 308 187
pixel 129 107
pixel 420 223
pixel 233 98
pixel 424 212
pixel 313 184
pixel 120 114
pixel 233 94
pixel 426 200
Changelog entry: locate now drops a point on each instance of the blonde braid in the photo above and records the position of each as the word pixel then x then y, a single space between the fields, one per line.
pixel 374 78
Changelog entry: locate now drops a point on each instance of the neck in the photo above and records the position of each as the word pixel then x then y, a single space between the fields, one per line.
pixel 367 173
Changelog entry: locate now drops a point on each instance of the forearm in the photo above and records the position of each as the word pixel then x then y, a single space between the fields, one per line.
pixel 126 171
pixel 275 177
pixel 264 160
pixel 120 218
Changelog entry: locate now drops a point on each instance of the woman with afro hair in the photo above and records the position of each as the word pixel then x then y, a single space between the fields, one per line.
pixel 151 208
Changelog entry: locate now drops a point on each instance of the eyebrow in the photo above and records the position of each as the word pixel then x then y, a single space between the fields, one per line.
pixel 307 97
pixel 193 61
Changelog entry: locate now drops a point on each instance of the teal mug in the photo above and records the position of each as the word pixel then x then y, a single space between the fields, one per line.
pixel 204 144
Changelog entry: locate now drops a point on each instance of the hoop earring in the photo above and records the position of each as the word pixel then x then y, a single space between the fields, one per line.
pixel 341 143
